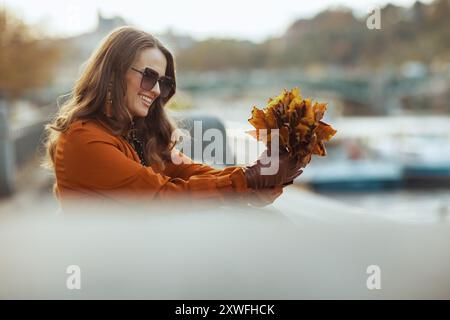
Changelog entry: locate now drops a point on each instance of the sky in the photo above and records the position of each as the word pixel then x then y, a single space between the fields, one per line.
pixel 242 19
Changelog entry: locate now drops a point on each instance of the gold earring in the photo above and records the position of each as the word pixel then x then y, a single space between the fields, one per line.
pixel 109 95
pixel 109 101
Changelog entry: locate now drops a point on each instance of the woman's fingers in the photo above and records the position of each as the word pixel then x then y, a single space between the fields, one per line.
pixel 295 163
pixel 290 180
pixel 295 175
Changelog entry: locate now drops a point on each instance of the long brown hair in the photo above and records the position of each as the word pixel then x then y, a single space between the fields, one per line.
pixel 106 69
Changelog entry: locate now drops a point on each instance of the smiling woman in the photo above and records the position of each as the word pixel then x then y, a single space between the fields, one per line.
pixel 114 140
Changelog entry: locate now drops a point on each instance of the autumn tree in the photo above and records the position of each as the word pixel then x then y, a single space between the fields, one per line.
pixel 26 59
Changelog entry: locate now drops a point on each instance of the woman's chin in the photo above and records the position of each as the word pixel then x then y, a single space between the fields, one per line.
pixel 142 111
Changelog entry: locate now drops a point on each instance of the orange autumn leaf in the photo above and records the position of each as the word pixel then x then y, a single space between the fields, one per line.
pixel 271 120
pixel 324 131
pixel 319 110
pixel 319 149
pixel 258 119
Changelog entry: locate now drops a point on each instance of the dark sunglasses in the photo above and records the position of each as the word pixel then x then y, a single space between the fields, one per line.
pixel 149 79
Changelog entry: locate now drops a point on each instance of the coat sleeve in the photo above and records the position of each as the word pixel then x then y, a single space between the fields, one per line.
pixel 94 162
pixel 183 167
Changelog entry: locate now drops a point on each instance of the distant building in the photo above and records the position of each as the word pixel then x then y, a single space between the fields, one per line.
pixel 85 43
pixel 175 42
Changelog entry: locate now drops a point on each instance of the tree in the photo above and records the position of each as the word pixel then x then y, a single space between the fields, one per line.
pixel 26 60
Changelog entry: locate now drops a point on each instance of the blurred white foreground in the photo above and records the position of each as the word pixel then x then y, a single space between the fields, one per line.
pixel 302 247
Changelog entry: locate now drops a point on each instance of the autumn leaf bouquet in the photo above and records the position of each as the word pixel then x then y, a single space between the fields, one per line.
pixel 301 131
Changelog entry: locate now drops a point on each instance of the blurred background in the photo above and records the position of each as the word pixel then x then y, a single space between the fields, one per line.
pixel 388 89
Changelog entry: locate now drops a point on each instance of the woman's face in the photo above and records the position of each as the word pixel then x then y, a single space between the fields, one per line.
pixel 137 100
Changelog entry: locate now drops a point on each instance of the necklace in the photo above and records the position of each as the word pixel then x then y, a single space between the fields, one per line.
pixel 137 144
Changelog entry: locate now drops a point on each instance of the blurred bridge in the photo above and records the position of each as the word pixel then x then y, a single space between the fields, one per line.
pixel 377 94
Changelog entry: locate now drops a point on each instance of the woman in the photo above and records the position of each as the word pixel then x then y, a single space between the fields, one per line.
pixel 113 138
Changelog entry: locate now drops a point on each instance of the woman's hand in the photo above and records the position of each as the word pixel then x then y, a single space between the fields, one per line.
pixel 288 170
pixel 263 197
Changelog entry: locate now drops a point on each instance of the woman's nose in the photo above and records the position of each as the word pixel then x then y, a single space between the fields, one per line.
pixel 156 90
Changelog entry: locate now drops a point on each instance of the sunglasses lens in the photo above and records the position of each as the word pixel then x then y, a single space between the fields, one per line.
pixel 165 86
pixel 149 80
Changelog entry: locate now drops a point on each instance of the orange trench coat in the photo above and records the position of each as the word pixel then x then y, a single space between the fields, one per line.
pixel 92 162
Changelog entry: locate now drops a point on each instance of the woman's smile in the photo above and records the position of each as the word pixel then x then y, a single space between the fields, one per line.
pixel 147 101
